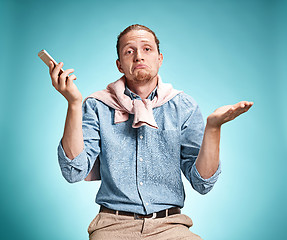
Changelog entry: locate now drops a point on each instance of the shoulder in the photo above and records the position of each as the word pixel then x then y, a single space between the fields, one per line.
pixel 94 104
pixel 90 102
pixel 188 108
pixel 185 101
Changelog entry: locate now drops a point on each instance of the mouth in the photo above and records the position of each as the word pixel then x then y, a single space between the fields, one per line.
pixel 140 66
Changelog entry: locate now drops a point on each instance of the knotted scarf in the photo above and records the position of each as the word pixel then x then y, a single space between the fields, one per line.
pixel 114 97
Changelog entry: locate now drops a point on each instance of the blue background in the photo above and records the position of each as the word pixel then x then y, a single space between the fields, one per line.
pixel 220 52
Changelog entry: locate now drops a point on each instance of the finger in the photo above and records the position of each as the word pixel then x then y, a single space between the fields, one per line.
pixel 63 78
pixel 248 107
pixel 240 105
pixel 53 75
pixel 70 80
pixel 250 104
pixel 56 71
pixel 247 104
pixel 51 67
pixel 244 107
pixel 72 77
pixel 65 74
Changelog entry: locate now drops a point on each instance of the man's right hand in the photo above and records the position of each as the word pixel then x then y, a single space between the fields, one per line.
pixel 64 83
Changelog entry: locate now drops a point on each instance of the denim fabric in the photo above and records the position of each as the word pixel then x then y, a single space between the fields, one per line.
pixel 141 167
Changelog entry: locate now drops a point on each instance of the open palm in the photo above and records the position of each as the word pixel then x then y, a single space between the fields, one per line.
pixel 227 113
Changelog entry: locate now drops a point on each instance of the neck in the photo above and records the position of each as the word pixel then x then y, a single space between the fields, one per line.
pixel 142 89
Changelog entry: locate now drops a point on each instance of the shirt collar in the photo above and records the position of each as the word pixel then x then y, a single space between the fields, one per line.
pixel 133 95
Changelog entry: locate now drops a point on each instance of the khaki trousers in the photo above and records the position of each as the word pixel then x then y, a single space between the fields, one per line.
pixel 107 226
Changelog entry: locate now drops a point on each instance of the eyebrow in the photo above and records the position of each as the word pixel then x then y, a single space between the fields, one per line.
pixel 130 42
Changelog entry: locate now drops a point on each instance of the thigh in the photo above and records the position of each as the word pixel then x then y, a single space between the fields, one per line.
pixel 179 232
pixel 175 227
pixel 113 227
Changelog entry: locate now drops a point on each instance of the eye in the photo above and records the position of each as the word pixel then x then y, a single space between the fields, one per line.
pixel 129 51
pixel 147 49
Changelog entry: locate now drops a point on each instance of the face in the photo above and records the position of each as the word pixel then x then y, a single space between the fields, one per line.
pixel 139 59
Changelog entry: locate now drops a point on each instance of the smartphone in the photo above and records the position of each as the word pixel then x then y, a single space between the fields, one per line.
pixel 47 58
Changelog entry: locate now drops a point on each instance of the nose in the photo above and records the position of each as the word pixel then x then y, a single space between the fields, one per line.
pixel 138 56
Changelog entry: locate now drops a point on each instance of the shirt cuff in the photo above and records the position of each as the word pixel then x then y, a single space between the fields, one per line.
pixel 201 184
pixel 77 162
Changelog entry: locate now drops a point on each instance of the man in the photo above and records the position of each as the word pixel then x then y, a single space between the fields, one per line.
pixel 144 133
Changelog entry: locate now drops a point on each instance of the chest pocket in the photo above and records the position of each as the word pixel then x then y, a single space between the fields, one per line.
pixel 163 143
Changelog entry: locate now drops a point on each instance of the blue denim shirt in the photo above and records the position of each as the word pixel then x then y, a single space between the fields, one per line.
pixel 141 167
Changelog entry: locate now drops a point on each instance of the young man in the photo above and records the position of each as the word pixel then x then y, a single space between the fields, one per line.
pixel 143 133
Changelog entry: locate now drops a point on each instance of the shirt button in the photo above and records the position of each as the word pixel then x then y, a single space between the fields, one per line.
pixel 141 136
pixel 146 203
pixel 141 159
pixel 141 183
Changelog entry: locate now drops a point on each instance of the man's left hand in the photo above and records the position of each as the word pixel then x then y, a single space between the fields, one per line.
pixel 227 113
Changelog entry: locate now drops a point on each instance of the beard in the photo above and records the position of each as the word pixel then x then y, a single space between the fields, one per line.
pixel 142 77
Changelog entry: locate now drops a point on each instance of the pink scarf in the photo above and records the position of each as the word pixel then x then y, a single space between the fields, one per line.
pixel 114 97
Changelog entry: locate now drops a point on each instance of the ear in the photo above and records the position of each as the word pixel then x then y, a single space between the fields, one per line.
pixel 119 66
pixel 160 58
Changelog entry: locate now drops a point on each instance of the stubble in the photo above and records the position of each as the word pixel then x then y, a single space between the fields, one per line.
pixel 142 77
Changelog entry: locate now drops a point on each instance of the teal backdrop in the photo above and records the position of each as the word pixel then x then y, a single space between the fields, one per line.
pixel 218 51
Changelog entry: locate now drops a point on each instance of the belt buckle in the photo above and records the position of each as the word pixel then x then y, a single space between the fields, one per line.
pixel 136 216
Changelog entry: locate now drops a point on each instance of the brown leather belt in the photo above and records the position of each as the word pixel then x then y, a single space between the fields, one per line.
pixel 160 214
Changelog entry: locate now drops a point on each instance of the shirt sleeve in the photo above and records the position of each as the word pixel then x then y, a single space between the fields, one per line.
pixel 77 169
pixel 192 130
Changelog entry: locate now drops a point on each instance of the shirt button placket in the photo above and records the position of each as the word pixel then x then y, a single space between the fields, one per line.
pixel 140 168
pixel 141 137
